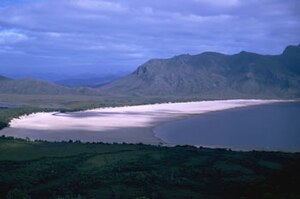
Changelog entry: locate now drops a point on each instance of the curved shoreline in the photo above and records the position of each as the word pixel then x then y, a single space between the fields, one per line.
pixel 130 124
pixel 162 133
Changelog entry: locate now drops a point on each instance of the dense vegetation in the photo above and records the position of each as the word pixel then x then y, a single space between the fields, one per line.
pixel 89 170
pixel 3 125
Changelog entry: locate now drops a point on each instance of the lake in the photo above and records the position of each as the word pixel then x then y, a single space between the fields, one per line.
pixel 270 127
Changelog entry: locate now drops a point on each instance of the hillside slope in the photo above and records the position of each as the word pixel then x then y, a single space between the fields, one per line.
pixel 215 75
pixel 38 87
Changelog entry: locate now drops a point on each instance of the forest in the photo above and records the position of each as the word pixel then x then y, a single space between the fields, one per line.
pixel 40 169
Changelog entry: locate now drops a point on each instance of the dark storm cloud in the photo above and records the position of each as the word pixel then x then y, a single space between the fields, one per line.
pixel 109 36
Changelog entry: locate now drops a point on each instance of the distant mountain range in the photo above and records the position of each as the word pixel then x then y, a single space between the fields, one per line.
pixel 215 75
pixel 3 78
pixel 207 75
pixel 38 87
pixel 92 81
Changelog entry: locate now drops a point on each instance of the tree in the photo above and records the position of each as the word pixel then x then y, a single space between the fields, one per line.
pixel 17 194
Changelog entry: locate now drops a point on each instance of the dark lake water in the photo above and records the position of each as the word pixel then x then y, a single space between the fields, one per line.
pixel 273 127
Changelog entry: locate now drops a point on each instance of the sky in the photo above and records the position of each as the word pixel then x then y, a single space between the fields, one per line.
pixel 62 38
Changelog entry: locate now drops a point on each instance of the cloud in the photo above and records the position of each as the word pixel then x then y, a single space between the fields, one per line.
pixel 220 2
pixel 112 35
pixel 98 5
pixel 200 19
pixel 11 37
pixel 53 34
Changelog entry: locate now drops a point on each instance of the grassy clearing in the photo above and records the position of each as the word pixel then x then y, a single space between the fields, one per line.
pixel 90 170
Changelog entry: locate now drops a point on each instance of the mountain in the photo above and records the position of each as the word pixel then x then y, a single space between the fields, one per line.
pixel 207 75
pixel 3 78
pixel 93 81
pixel 38 87
pixel 215 75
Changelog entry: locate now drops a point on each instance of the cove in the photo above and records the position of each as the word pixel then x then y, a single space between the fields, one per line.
pixel 267 127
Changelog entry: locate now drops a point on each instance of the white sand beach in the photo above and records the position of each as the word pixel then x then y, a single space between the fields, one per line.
pixel 130 124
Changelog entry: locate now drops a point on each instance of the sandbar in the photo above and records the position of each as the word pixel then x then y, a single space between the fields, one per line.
pixel 128 124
